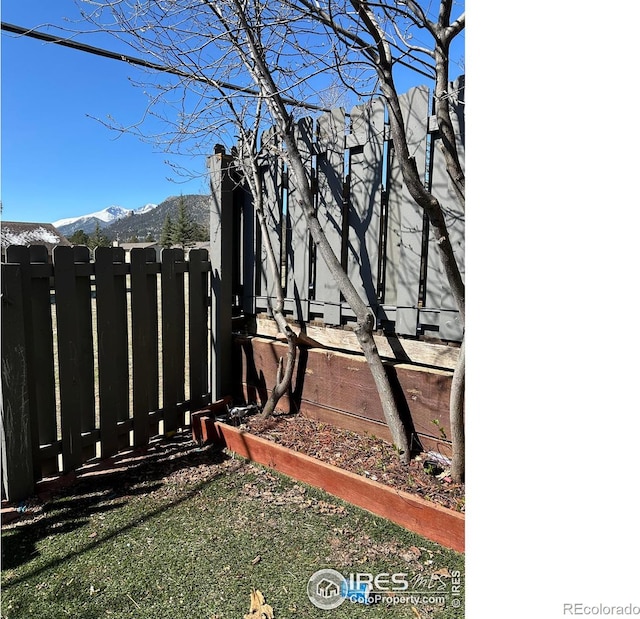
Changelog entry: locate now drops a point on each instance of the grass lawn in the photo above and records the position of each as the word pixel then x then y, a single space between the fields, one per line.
pixel 188 532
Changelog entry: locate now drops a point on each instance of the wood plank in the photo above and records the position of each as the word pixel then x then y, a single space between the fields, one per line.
pixel 273 187
pixel 43 359
pixel 20 254
pixel 113 361
pixel 365 199
pixel 438 292
pixel 144 342
pixel 343 382
pixel 432 521
pixel 222 186
pixel 331 208
pixel 72 356
pixel 173 337
pixel 390 347
pixel 297 237
pixel 406 219
pixel 198 336
pixel 84 270
pixel 18 478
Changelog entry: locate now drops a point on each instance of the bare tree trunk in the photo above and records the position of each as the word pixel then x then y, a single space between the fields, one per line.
pixel 456 418
pixel 251 173
pixel 420 193
pixel 257 67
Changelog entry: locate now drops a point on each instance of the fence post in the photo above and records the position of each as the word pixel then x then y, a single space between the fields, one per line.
pixel 17 448
pixel 221 231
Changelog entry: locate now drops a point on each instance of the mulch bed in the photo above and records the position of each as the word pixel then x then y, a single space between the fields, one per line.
pixel 361 454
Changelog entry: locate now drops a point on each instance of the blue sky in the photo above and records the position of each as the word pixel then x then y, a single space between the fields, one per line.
pixel 58 160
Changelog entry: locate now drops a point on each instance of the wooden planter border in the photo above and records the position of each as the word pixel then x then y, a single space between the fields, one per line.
pixel 432 521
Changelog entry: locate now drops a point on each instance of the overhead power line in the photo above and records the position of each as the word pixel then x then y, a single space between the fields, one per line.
pixel 141 62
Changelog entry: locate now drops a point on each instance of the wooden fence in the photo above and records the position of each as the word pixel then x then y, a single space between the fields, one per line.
pixel 96 354
pixel 371 221
pixel 383 240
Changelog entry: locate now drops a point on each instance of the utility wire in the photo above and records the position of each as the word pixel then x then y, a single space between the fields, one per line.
pixel 140 62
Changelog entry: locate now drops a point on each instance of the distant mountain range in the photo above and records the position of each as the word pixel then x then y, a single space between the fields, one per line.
pixel 121 224
pixel 104 218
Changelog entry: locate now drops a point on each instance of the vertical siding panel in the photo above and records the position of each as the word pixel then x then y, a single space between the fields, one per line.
pixel 366 146
pixel 405 218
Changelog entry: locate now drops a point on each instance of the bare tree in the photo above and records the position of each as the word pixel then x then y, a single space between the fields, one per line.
pixel 277 51
pixel 372 31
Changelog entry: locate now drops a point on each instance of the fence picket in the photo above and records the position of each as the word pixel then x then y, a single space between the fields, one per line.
pixel 297 231
pixel 75 351
pixel 273 183
pixel 16 436
pixel 144 342
pixel 173 336
pixel 366 148
pixel 113 374
pixel 198 341
pixel 330 171
pixel 406 219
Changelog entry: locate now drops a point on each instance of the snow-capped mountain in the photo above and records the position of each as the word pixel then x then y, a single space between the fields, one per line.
pixel 103 218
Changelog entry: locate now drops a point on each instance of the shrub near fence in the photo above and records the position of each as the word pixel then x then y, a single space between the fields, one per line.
pixel 95 355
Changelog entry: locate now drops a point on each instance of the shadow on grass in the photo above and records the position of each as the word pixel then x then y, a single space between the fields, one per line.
pixel 101 493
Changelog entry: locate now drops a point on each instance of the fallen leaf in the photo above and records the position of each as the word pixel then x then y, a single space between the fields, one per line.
pixel 258 608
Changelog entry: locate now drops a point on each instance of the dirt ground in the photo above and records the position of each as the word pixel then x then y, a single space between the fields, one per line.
pixel 363 455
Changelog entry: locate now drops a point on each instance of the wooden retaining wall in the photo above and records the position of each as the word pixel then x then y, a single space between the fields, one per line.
pixel 337 388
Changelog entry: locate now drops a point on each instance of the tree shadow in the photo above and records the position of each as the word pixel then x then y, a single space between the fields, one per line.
pixel 102 491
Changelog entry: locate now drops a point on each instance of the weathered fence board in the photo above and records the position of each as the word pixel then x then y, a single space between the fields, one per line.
pixel 273 182
pixel 75 347
pixel 331 211
pixel 38 328
pixel 112 330
pixel 406 219
pixel 17 462
pixel 198 340
pixel 297 231
pixel 365 144
pixel 374 227
pixel 173 336
pixel 144 342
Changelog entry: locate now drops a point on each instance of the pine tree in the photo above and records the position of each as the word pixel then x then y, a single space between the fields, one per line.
pixel 166 235
pixel 184 231
pixel 79 237
pixel 98 239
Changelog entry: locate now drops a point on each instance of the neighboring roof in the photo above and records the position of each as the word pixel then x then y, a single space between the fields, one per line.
pixel 25 233
pixel 130 246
